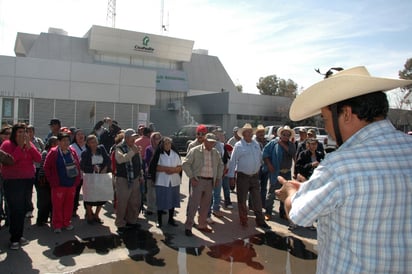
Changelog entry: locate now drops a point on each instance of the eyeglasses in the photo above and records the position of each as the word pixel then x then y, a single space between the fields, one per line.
pixel 286 134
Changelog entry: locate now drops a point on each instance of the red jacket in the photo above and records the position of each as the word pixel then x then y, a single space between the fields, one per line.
pixel 50 167
pixel 23 167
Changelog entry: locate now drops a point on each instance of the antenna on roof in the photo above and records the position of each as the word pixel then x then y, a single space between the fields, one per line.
pixel 111 13
pixel 164 27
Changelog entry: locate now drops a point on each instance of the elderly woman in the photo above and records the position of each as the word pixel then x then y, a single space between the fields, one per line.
pixel 62 170
pixel 94 160
pixel 18 180
pixel 79 145
pixel 166 167
pixel 155 138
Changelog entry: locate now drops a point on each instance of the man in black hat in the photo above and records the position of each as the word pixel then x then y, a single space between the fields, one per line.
pixel 55 126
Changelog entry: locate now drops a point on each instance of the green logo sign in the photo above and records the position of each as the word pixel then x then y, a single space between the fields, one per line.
pixel 145 47
pixel 146 40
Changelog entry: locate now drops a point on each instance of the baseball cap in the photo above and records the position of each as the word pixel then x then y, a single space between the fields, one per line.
pixel 54 121
pixel 130 132
pixel 210 137
pixel 201 128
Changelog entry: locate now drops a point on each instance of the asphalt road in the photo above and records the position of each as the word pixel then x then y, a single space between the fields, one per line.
pixel 98 248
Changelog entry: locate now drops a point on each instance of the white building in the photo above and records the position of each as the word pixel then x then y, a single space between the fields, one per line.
pixel 130 76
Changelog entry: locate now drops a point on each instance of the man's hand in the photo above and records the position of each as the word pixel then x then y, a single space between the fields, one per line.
pixel 286 192
pixel 288 188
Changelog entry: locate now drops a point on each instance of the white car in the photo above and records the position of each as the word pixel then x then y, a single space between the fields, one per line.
pixel 328 143
pixel 271 131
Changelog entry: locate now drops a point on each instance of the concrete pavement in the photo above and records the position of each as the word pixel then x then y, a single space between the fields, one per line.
pixel 91 245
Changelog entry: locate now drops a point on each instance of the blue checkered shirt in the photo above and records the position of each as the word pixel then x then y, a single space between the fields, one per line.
pixel 361 196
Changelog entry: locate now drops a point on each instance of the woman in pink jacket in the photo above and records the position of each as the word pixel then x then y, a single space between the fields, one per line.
pixel 18 180
pixel 62 170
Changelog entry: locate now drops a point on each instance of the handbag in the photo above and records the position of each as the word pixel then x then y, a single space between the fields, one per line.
pixel 71 168
pixel 97 187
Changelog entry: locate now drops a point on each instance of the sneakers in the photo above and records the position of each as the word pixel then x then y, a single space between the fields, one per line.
pixel 69 227
pixel 57 230
pixel 24 241
pixel 16 245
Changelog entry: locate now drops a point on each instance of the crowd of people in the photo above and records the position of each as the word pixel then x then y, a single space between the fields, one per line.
pixel 140 171
pixel 359 195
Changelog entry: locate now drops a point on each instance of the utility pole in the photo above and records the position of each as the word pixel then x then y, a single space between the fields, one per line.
pixel 111 13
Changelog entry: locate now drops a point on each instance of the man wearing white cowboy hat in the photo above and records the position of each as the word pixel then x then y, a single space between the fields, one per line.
pixel 278 156
pixel 246 160
pixel 361 194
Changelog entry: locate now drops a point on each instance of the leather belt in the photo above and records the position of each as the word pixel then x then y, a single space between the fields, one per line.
pixel 284 170
pixel 206 178
pixel 247 175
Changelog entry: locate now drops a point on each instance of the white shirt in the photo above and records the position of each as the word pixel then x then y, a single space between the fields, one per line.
pixel 164 179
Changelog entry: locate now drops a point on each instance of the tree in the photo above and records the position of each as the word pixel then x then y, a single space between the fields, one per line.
pixel 239 88
pixel 406 74
pixel 273 85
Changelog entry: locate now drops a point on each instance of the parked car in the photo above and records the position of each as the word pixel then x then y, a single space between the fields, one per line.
pixel 186 134
pixel 328 143
pixel 270 131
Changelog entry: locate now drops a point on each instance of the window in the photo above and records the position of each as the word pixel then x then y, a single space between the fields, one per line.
pixel 24 111
pixel 15 110
pixel 7 111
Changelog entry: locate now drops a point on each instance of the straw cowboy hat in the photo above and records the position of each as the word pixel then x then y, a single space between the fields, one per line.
pixel 286 128
pixel 246 126
pixel 260 128
pixel 340 86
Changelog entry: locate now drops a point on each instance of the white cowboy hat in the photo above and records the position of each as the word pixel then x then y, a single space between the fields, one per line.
pixel 286 128
pixel 340 86
pixel 245 127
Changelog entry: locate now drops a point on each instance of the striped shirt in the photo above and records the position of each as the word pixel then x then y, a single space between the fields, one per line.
pixel 361 196
pixel 207 170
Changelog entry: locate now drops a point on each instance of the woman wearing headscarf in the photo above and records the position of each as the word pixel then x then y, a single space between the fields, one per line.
pixel 18 180
pixel 62 169
pixel 94 160
pixel 155 138
pixel 166 167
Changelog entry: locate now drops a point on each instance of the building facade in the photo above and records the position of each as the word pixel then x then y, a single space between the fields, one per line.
pixel 133 77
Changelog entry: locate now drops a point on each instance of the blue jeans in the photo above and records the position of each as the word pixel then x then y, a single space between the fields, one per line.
pixel 270 197
pixel 216 199
pixel 226 190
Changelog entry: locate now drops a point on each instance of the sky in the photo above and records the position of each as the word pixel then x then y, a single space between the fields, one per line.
pixel 252 39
